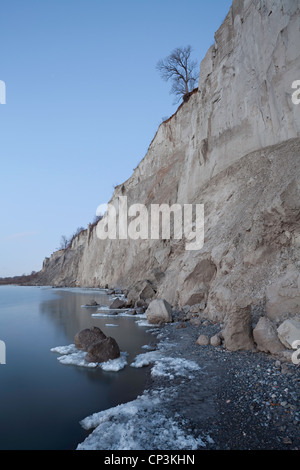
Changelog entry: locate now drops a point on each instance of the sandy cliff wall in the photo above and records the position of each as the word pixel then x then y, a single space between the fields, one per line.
pixel 234 148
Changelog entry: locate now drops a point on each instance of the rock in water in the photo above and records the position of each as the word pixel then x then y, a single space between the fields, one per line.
pixel 85 338
pixel 159 311
pixel 118 303
pixel 103 350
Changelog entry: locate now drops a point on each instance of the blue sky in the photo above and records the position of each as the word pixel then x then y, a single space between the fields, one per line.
pixel 83 102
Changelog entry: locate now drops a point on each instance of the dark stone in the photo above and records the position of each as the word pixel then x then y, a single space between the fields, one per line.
pixel 85 338
pixel 103 350
pixel 141 304
pixel 118 303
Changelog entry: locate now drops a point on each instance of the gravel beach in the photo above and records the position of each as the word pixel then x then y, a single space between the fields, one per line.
pixel 239 400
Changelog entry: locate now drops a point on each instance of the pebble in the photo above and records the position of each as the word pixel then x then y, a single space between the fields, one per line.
pixel 257 398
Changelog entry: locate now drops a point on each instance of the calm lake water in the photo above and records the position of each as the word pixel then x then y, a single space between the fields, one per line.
pixel 42 400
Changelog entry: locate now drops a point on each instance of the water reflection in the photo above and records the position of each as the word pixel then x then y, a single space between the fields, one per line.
pixel 42 401
pixel 69 317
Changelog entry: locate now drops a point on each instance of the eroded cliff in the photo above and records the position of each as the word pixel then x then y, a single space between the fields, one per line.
pixel 234 147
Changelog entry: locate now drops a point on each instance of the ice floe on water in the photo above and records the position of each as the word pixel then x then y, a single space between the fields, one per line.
pixel 70 349
pixel 76 359
pixel 144 322
pixel 115 312
pixel 141 424
pixel 114 365
pixel 72 356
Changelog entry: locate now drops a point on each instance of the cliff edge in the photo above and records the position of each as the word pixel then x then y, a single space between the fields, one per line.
pixel 234 146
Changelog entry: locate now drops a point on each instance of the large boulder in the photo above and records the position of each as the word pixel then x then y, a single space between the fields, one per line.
pixel 159 311
pixel 289 331
pixel 118 303
pixel 283 296
pixel 266 338
pixel 103 351
pixel 85 338
pixel 238 326
pixel 142 290
pixel 147 292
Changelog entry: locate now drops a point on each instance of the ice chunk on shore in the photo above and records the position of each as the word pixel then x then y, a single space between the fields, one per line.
pixel 138 425
pixel 174 366
pixel 145 359
pixel 165 366
pixel 149 346
pixel 72 356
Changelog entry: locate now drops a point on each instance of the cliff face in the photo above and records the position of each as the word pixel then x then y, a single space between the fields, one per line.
pixel 234 147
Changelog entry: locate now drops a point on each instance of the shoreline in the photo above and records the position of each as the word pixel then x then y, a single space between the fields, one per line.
pixel 233 401
pixel 242 400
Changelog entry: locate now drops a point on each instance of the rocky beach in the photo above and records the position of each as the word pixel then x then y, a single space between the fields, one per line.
pixel 242 400
pixel 201 396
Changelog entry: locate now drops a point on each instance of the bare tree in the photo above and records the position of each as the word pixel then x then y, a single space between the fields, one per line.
pixel 179 68
pixel 64 242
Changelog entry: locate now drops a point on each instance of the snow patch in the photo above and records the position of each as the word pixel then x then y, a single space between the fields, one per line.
pixel 145 359
pixel 165 366
pixel 172 367
pixel 148 346
pixel 71 348
pixel 138 425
